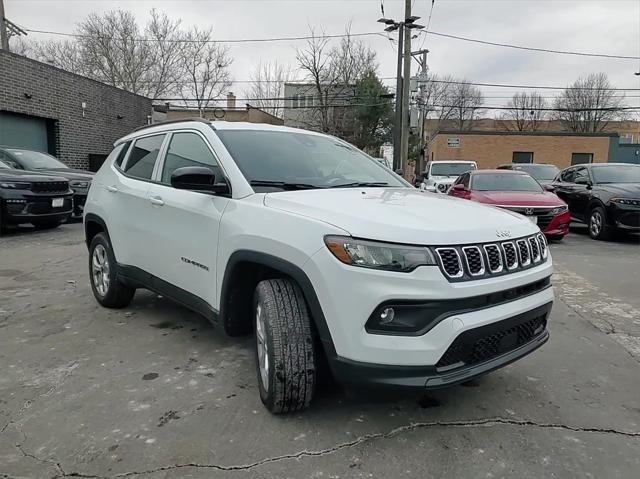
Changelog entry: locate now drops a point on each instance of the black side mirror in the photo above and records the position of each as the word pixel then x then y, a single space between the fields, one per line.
pixel 197 178
pixel 399 172
pixel 581 180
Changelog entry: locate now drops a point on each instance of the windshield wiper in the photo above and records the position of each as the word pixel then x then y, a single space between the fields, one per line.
pixel 284 185
pixel 371 184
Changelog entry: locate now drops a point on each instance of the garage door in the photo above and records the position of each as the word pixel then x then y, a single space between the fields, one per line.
pixel 23 131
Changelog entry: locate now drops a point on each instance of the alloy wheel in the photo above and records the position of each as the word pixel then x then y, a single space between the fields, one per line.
pixel 595 223
pixel 100 269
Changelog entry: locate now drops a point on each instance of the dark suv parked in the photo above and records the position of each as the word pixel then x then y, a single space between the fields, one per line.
pixel 43 163
pixel 605 196
pixel 44 201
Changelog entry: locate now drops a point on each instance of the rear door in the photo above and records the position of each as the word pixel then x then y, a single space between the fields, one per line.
pixel 129 202
pixel 186 223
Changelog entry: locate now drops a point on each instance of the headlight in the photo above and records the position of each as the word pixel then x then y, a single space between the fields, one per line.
pixel 626 201
pixel 559 209
pixel 80 184
pixel 372 254
pixel 14 185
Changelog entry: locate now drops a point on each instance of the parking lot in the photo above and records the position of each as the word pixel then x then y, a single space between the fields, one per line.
pixel 154 391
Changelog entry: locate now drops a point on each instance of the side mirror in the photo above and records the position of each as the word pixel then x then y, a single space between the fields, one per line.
pixel 399 172
pixel 549 188
pixel 197 178
pixel 459 187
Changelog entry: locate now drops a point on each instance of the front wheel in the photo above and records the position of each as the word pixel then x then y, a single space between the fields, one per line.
pixel 598 228
pixel 108 291
pixel 285 355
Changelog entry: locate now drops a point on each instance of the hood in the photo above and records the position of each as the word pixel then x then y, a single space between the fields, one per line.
pixel 447 180
pixel 517 198
pixel 70 173
pixel 402 215
pixel 625 190
pixel 27 176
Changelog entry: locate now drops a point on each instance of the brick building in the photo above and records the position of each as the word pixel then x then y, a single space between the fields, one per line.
pixel 493 148
pixel 72 117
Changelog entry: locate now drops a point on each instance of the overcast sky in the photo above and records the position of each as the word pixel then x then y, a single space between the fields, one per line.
pixel 604 26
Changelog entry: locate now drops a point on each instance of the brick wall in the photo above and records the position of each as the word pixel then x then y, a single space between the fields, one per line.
pixel 58 95
pixel 491 150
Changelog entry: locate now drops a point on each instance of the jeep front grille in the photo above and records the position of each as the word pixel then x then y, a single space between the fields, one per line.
pixel 467 262
pixel 450 261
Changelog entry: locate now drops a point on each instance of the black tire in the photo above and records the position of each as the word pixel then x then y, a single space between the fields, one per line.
pixel 597 223
pixel 286 330
pixel 111 293
pixel 46 225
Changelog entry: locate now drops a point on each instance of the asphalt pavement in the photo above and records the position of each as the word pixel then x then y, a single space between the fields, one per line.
pixel 153 391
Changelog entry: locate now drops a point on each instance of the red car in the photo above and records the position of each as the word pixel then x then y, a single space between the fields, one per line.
pixel 516 191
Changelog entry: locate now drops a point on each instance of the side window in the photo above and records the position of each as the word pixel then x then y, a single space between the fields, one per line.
pixel 143 157
pixel 465 180
pixel 568 175
pixel 188 149
pixel 581 173
pixel 115 153
pixel 121 154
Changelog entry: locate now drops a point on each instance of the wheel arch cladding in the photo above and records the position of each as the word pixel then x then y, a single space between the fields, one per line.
pixel 244 270
pixel 93 225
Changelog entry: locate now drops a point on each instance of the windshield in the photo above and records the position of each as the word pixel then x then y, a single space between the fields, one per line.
pixel 302 161
pixel 504 182
pixel 35 160
pixel 616 174
pixel 450 169
pixel 539 172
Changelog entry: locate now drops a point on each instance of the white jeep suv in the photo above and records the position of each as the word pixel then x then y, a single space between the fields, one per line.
pixel 321 252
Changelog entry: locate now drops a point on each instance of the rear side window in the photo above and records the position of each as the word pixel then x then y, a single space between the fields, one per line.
pixel 121 153
pixel 143 157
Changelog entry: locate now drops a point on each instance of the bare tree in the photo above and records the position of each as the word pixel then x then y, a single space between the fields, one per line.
pixel 463 104
pixel 206 69
pixel 111 48
pixel 20 46
pixel 333 73
pixel 525 112
pixel 266 90
pixel 589 104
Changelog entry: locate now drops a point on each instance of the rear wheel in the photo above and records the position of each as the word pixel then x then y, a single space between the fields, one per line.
pixel 285 353
pixel 108 291
pixel 598 228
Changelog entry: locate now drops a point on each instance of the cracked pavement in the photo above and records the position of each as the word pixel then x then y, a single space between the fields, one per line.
pixel 152 391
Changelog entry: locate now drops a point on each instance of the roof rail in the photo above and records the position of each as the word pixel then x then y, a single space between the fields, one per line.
pixel 168 122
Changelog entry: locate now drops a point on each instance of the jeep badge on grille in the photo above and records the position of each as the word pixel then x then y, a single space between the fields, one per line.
pixel 503 233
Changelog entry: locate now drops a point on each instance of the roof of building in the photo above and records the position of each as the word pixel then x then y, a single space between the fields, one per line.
pixel 523 133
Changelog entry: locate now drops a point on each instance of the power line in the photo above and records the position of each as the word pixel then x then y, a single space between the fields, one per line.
pixel 343 35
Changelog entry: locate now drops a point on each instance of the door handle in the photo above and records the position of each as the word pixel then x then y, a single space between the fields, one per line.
pixel 112 189
pixel 156 200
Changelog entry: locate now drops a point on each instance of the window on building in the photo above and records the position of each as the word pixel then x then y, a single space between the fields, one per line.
pixel 188 149
pixel 522 157
pixel 143 157
pixel 581 158
pixel 294 101
pixel 626 138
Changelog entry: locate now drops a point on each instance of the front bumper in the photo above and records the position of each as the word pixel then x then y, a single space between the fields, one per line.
pixel 349 295
pixel 558 226
pixel 487 349
pixel 624 217
pixel 29 208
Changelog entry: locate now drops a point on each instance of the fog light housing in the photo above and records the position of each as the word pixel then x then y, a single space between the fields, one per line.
pixel 387 315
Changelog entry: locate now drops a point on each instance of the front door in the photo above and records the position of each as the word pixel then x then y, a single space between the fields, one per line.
pixel 186 223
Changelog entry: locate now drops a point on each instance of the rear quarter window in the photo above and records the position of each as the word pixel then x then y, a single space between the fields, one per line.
pixel 121 153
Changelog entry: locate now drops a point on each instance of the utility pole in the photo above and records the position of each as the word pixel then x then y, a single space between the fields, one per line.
pixel 422 79
pixel 397 127
pixel 402 87
pixel 404 142
pixel 4 36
